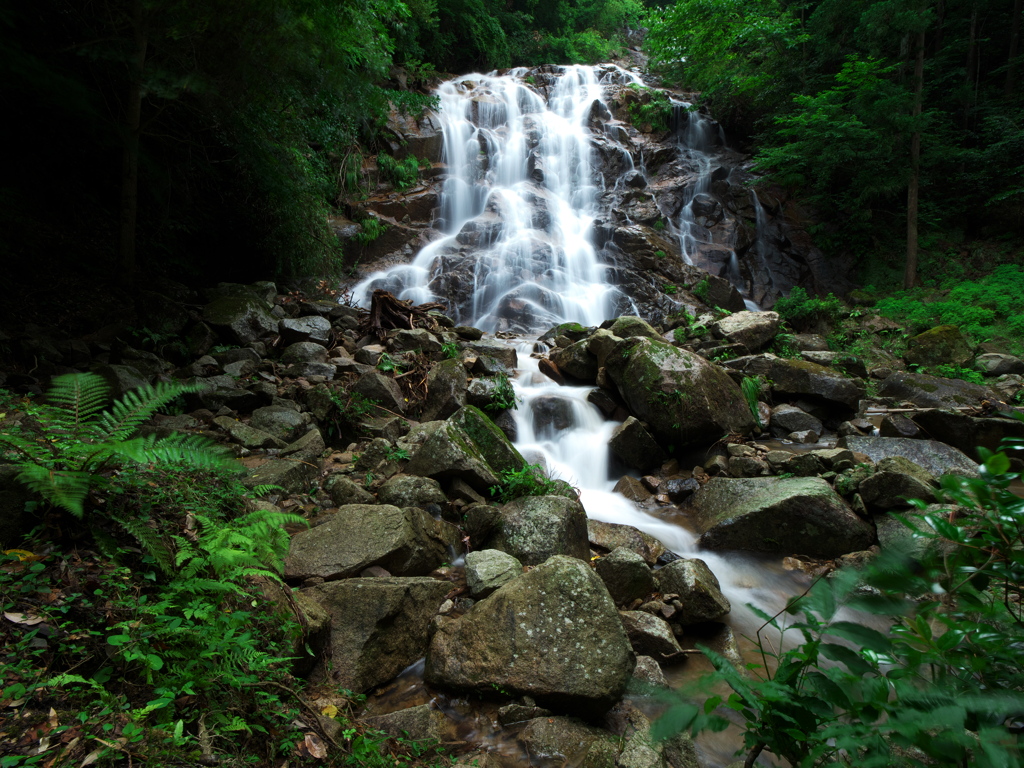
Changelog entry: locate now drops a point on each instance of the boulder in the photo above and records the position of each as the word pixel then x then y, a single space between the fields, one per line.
pixel 933 391
pixel 626 575
pixel 405 542
pixel 681 396
pixel 567 741
pixel 344 491
pixel 700 594
pixel 934 457
pixel 633 444
pixel 240 320
pixel 467 446
pixel 312 328
pixel 778 515
pixel 648 677
pixel 630 326
pixel 679 489
pixel 966 433
pixel 944 344
pixel 751 329
pixel 414 340
pixel 503 353
pixel 533 528
pixel 997 364
pixel 375 386
pixel 896 479
pixel 488 569
pixel 576 360
pixel 650 635
pixel 282 422
pixel 788 418
pixel 378 626
pixel 612 536
pixel 799 377
pixel 304 352
pixel 422 723
pixel 898 425
pixel 411 491
pixel 552 634
pixel 246 436
pixel 446 389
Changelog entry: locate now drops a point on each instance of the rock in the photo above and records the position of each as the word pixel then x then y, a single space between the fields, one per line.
pixel 788 418
pixel 934 457
pixel 246 436
pixel 635 447
pixel 488 569
pixel 411 491
pixel 932 391
pixel 967 433
pixel 567 741
pixel 343 491
pixel 468 332
pixel 240 319
pixel 378 626
pixel 799 377
pixel 679 489
pixel 626 575
pixel 699 591
pixel 600 344
pixel 304 352
pixel 779 515
pixel 312 328
pixel 422 723
pixel 503 353
pixel 996 364
pixel 751 329
pixel 406 542
pixel 647 677
pixel 576 361
pixel 551 415
pixel 632 489
pixel 612 536
pixel 896 479
pixel 467 446
pixel 552 634
pixel 898 425
pixel 414 340
pixel 121 379
pixel 629 326
pixel 446 389
pixel 650 635
pixel 283 423
pixel 944 344
pixel 374 385
pixel 681 396
pixel 533 528
pixel 749 466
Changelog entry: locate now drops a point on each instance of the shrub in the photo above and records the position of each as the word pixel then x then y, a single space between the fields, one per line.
pixel 803 311
pixel 531 480
pixel 504 396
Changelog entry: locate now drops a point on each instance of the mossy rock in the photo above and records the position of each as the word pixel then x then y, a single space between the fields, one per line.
pixel 943 344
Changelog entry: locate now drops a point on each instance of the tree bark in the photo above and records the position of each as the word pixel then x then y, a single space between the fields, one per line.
pixel 1011 73
pixel 910 268
pixel 130 150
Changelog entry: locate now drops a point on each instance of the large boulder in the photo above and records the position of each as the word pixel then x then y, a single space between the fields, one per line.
pixel 576 361
pixel 405 542
pixel 751 329
pixel 966 433
pixel 240 319
pixel 934 457
pixel 375 386
pixel 611 536
pixel 378 626
pixel 411 491
pixel 650 635
pixel 299 329
pixel 896 479
pixel 684 398
pixel 800 377
pixel 633 444
pixel 488 569
pixel 699 591
pixel 533 528
pixel 566 741
pixel 626 575
pixel 932 391
pixel 470 447
pixel 799 515
pixel 629 326
pixel 446 389
pixel 552 634
pixel 944 344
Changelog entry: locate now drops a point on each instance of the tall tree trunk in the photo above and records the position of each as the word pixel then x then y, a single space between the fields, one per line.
pixel 130 149
pixel 910 268
pixel 1011 74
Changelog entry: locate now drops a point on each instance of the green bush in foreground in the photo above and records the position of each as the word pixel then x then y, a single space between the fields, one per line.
pixel 942 687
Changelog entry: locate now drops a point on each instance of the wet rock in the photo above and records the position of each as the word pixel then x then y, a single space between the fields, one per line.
pixel 344 491
pixel 240 319
pixel 374 385
pixel 779 515
pixel 533 528
pixel 680 395
pixel 934 457
pixel 804 437
pixel 632 489
pixel 633 444
pixel 576 361
pixel 700 594
pixel 553 634
pixel 488 569
pixel 551 415
pixel 896 479
pixel 378 626
pixel 788 418
pixel 411 491
pixel 467 446
pixel 626 575
pixel 944 344
pixel 567 741
pixel 679 489
pixel 650 635
pixel 406 542
pixel 421 723
pixel 932 391
pixel 751 329
pixel 611 536
pixel 446 390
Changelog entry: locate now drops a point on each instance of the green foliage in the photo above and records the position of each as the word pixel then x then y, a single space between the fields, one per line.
pixel 669 288
pixel 651 108
pixel 751 389
pixel 388 364
pixel 66 447
pixel 951 371
pixel 503 397
pixel 702 290
pixel 450 350
pixel 680 335
pixel 397 454
pixel 370 229
pixel 941 685
pixel 803 311
pixel 531 480
pixel 402 173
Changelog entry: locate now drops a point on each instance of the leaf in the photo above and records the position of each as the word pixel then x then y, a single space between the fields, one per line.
pixel 27 619
pixel 862 636
pixel 998 464
pixel 851 659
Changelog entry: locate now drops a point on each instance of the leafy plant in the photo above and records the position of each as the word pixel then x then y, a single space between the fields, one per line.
pixel 370 230
pixel 450 349
pixel 397 454
pixel 64 448
pixel 669 288
pixel 503 397
pixel 680 335
pixel 531 480
pixel 402 173
pixel 751 389
pixel 702 290
pixel 652 107
pixel 801 310
pixel 660 255
pixel 388 364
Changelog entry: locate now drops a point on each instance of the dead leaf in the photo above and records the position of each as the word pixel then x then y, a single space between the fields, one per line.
pixel 315 746
pixel 27 619
pixel 330 710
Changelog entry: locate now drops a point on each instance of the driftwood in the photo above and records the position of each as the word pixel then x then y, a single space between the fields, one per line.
pixel 387 312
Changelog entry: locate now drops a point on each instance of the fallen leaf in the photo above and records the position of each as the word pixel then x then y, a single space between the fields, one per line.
pixel 330 710
pixel 23 618
pixel 315 746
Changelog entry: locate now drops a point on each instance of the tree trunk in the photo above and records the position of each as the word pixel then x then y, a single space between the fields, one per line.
pixel 130 149
pixel 910 269
pixel 1011 74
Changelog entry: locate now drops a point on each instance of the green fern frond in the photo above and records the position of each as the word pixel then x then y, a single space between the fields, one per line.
pixel 150 542
pixel 64 488
pixel 128 413
pixel 179 448
pixel 259 491
pixel 78 398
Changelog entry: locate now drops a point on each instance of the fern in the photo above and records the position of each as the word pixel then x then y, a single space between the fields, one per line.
pixel 138 406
